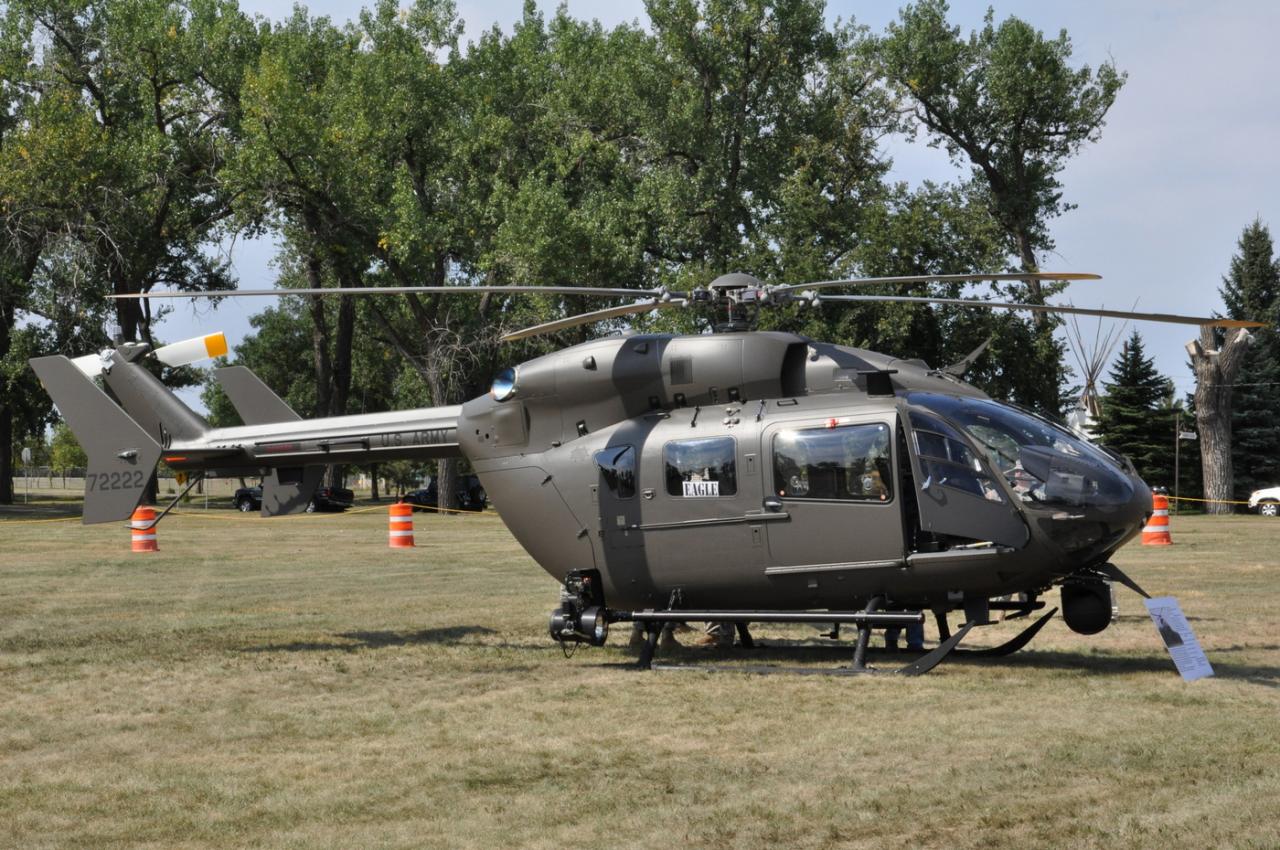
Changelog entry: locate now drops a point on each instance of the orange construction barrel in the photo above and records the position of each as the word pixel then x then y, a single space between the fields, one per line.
pixel 142 525
pixel 401 532
pixel 1156 532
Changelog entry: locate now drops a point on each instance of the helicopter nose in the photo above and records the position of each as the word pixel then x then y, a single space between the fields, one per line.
pixel 1142 496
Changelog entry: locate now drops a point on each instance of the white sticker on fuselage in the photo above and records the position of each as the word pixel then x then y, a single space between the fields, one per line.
pixel 701 489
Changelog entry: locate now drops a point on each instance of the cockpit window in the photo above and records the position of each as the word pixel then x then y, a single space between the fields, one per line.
pixel 848 463
pixel 618 469
pixel 946 460
pixel 1042 462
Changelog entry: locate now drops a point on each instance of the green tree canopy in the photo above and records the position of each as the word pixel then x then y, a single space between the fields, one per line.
pixel 1137 413
pixel 65 452
pixel 1007 104
pixel 1251 290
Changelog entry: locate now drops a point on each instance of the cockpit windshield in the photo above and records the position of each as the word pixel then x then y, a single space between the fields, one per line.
pixel 1042 462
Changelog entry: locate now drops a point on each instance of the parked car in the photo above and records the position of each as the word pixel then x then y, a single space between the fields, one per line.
pixel 1266 502
pixel 325 499
pixel 469 493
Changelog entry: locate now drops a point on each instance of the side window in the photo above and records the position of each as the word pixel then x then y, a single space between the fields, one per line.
pixel 618 469
pixel 849 463
pixel 701 468
pixel 947 461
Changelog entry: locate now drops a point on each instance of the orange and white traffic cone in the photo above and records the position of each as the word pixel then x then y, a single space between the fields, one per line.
pixel 401 519
pixel 1156 532
pixel 142 524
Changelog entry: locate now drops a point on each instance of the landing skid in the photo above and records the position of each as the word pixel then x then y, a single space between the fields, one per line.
pixel 918 667
pixel 925 663
pixel 864 620
pixel 1011 646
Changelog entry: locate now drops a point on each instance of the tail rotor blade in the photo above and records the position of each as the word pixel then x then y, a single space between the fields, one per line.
pixel 182 353
pixel 192 350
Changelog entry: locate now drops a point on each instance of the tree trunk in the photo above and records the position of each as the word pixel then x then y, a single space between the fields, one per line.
pixel 1215 373
pixel 341 361
pixel 320 341
pixel 446 468
pixel 373 485
pixel 1029 264
pixel 7 315
pixel 6 457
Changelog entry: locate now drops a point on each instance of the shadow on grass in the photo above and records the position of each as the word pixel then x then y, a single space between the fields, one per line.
pixel 354 641
pixel 1259 674
pixel 39 509
pixel 841 655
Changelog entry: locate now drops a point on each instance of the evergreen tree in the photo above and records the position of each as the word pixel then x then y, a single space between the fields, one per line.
pixel 1137 413
pixel 1255 419
pixel 1252 291
pixel 1252 287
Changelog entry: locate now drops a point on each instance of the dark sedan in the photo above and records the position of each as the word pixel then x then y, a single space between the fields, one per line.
pixel 325 499
pixel 469 493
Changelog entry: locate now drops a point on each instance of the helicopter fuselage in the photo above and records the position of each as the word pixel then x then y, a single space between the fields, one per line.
pixel 765 470
pixel 751 470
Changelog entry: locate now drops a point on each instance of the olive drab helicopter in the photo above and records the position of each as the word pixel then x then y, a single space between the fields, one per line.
pixel 738 476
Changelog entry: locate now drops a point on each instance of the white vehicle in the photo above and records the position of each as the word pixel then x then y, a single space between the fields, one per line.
pixel 1266 502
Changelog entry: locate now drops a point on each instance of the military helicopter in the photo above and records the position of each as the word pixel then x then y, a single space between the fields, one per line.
pixel 738 476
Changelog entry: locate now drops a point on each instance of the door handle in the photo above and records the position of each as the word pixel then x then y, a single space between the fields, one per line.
pixel 772 504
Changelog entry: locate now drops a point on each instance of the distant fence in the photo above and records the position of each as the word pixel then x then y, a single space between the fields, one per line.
pixel 45 482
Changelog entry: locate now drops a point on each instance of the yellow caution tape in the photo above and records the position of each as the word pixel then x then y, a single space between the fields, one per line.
pixel 236 516
pixel 1213 501
pixel 34 521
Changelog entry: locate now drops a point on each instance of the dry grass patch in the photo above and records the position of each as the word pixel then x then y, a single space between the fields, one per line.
pixel 294 683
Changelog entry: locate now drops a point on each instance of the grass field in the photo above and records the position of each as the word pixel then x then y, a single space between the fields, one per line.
pixel 293 683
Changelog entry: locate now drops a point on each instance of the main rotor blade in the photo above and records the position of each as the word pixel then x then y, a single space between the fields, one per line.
pixel 590 318
pixel 939 278
pixel 598 291
pixel 1050 308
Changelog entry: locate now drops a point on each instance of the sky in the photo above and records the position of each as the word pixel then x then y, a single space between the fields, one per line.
pixel 1187 159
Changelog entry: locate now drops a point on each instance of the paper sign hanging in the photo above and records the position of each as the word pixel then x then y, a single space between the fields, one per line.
pixel 1178 638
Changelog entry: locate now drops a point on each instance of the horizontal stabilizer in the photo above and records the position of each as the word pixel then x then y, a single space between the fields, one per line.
pixel 252 399
pixel 122 456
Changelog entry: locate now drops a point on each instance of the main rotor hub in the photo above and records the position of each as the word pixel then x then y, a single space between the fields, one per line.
pixel 735 281
pixel 736 292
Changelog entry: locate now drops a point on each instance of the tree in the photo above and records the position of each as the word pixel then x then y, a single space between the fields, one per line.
pixel 160 80
pixel 403 474
pixel 1217 357
pixel 1251 290
pixel 1216 360
pixel 49 152
pixel 1137 413
pixel 65 452
pixel 1007 103
pixel 1255 423
pixel 116 119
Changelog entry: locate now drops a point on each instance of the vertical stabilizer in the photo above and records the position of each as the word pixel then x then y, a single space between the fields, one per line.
pixel 252 399
pixel 122 455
